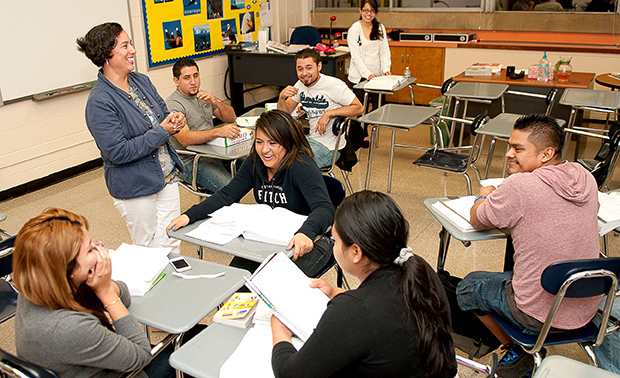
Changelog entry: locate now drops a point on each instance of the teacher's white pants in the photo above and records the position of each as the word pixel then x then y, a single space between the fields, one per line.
pixel 147 217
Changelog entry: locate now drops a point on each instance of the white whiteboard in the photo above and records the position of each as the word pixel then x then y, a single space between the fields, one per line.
pixel 38 52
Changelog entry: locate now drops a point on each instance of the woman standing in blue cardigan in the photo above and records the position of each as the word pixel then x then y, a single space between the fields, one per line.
pixel 131 126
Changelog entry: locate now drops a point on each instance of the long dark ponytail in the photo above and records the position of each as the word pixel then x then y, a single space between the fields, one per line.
pixel 373 221
pixel 375 32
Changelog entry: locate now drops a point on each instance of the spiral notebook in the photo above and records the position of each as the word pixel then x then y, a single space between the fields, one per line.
pixel 283 287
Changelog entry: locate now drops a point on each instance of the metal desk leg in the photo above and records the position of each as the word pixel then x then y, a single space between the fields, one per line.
pixel 490 157
pixel 233 168
pixel 371 149
pixel 379 104
pixel 391 161
pixel 444 243
pixel 571 123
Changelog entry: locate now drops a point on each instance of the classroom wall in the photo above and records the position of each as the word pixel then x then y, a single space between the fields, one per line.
pixel 42 138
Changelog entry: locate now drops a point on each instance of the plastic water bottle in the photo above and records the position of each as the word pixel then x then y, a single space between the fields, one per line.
pixel 407 73
pixel 543 69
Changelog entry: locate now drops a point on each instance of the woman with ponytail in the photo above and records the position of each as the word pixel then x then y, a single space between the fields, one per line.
pixel 395 324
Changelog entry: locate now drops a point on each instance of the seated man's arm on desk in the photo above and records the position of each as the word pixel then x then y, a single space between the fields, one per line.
pixel 189 135
pixel 496 208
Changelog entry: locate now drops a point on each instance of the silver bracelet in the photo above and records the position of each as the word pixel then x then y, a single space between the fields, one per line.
pixel 113 303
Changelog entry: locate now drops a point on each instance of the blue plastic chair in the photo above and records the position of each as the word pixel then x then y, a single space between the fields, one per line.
pixel 573 279
pixel 306 35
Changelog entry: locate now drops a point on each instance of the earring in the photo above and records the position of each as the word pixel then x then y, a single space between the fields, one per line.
pixel 107 63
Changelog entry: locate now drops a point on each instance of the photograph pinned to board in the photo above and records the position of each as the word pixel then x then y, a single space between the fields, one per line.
pixel 191 7
pixel 173 37
pixel 202 37
pixel 229 32
pixel 237 4
pixel 246 20
pixel 215 9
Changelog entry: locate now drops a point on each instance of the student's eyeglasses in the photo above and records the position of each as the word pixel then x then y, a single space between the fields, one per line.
pixel 368 11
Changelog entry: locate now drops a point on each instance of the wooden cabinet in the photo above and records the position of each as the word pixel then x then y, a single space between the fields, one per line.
pixel 426 65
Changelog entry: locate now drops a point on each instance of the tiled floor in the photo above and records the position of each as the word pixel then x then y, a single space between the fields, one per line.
pixel 86 194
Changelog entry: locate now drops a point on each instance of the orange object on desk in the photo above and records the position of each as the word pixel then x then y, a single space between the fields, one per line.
pixel 581 80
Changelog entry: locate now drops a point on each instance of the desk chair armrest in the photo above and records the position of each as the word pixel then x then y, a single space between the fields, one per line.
pixel 527 94
pixel 592 108
pixel 586 133
pixel 449 83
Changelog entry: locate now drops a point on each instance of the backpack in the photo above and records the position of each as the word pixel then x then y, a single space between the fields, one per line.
pixel 468 332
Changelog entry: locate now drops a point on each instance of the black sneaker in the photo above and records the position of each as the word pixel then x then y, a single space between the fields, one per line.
pixel 515 363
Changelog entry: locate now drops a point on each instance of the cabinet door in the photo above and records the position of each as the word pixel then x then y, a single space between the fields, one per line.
pixel 426 65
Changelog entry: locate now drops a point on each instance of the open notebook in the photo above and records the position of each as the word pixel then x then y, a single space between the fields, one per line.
pixel 281 285
pixel 257 222
pixel 137 266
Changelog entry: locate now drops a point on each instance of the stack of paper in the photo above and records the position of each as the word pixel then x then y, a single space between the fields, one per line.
pixel 255 222
pixel 384 83
pixel 608 212
pixel 138 267
pixel 244 134
pixel 457 211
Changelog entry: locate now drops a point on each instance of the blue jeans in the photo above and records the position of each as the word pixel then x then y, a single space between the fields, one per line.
pixel 323 156
pixel 608 353
pixel 486 291
pixel 212 174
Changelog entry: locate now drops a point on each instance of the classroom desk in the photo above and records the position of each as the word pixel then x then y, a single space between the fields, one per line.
pixel 408 82
pixel 272 69
pixel 525 105
pixel 175 305
pixel 241 247
pixel 204 355
pixel 562 367
pixel 449 230
pixel 397 117
pixel 231 153
pixel 608 81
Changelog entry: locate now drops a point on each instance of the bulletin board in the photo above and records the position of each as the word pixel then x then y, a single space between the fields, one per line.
pixel 195 28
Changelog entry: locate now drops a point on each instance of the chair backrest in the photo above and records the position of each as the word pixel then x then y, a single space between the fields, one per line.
pixel 550 99
pixel 602 170
pixel 12 366
pixel 6 256
pixel 556 274
pixel 335 189
pixel 306 35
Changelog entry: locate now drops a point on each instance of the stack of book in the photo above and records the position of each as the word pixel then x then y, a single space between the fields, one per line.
pixel 238 310
pixel 483 69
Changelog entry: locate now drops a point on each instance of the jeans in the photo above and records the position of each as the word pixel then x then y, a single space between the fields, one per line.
pixel 212 174
pixel 323 156
pixel 147 217
pixel 311 263
pixel 608 353
pixel 486 291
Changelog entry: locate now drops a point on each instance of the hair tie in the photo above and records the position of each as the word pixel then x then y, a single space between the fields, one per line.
pixel 404 255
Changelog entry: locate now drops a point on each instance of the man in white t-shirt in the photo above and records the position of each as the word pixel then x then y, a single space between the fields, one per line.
pixel 322 97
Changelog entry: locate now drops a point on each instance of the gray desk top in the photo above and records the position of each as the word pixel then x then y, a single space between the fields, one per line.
pixel 482 91
pixel 233 152
pixel 500 126
pixel 204 355
pixel 399 115
pixel 248 249
pixel 175 305
pixel 562 367
pixel 493 233
pixel 407 82
pixel 591 98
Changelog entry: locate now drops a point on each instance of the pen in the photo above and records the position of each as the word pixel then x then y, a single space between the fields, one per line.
pixel 161 276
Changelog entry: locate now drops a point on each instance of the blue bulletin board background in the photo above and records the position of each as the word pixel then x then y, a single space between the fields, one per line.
pixel 195 28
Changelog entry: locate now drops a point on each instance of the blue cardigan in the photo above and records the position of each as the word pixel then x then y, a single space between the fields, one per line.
pixel 127 140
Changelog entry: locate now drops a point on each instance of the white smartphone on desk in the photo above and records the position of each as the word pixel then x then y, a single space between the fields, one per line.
pixel 180 264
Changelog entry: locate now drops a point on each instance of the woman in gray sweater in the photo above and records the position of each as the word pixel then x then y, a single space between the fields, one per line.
pixel 71 317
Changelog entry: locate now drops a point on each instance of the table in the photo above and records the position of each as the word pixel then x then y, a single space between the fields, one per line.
pixel 450 230
pixel 406 83
pixel 175 305
pixel 204 355
pixel 477 92
pixel 241 247
pixel 608 81
pixel 588 99
pixel 521 105
pixel 397 117
pixel 272 69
